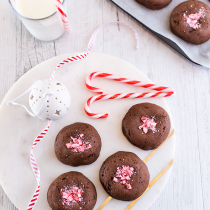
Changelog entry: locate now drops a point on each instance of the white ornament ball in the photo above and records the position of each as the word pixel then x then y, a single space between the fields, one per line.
pixel 50 96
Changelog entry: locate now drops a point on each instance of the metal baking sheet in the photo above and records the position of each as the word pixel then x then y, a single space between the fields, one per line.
pixel 158 24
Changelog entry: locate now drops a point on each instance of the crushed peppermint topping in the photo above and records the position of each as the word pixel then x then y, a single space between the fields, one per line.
pixel 124 174
pixel 78 144
pixel 193 19
pixel 148 124
pixel 71 195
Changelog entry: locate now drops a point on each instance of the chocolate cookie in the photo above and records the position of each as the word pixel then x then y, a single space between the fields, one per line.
pixel 72 191
pixel 146 125
pixel 124 176
pixel 78 144
pixel 154 4
pixel 190 21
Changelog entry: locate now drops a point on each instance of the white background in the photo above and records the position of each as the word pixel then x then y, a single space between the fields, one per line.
pixel 189 184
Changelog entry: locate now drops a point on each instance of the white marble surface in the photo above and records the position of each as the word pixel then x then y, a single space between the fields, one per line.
pixel 18 180
pixel 188 186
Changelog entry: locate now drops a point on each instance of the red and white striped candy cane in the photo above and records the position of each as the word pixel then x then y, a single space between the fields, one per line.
pixel 90 46
pixel 35 167
pixel 104 97
pixel 122 80
pixel 64 17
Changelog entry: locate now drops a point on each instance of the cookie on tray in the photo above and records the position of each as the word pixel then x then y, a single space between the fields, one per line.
pixel 124 176
pixel 190 21
pixel 146 125
pixel 154 4
pixel 78 144
pixel 72 191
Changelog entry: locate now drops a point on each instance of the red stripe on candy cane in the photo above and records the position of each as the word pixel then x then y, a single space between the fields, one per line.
pixel 104 97
pixel 35 168
pixel 122 80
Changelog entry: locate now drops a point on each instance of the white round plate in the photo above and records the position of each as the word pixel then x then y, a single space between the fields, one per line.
pixel 18 130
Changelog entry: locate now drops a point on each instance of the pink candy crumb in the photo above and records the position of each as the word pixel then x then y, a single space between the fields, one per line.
pixel 71 195
pixel 124 174
pixel 148 124
pixel 193 19
pixel 78 144
pixel 115 179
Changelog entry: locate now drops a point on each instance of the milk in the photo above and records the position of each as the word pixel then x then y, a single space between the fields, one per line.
pixel 40 17
pixel 36 9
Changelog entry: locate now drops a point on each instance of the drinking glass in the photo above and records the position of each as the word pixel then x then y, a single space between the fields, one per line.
pixel 45 29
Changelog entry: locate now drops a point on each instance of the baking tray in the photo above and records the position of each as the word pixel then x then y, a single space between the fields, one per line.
pixel 164 39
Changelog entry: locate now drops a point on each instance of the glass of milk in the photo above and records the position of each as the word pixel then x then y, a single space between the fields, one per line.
pixel 40 17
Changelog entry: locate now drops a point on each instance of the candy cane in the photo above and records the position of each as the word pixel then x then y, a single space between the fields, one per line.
pixel 64 17
pixel 122 80
pixel 104 97
pixel 35 167
pixel 90 46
